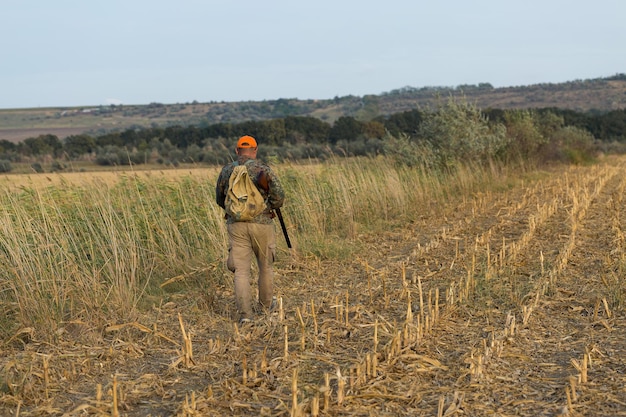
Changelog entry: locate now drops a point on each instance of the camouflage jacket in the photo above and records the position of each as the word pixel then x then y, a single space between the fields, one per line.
pixel 265 180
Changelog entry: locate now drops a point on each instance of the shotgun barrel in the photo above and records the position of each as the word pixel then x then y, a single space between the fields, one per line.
pixel 282 226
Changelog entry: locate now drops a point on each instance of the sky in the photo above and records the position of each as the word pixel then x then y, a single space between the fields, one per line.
pixel 67 53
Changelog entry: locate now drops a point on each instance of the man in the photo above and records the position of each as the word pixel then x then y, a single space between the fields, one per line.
pixel 254 237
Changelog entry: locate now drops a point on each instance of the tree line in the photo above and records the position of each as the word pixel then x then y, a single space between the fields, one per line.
pixel 451 127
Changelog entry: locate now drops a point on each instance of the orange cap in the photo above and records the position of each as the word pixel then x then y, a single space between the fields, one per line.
pixel 246 142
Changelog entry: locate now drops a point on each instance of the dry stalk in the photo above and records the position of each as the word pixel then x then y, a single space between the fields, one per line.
pixel 510 325
pixel 351 379
pixel 254 373
pixel 606 308
pixel 476 367
pixel 384 282
pixel 572 383
pixel 341 385
pixel 326 391
pixel 315 406
pixel 455 404
pixel 409 309
pixel 405 284
pixel 581 368
pixel 375 336
pixel 421 293
pixel 440 406
pixel 294 393
pixel 46 374
pixel 374 364
pixel 436 313
pixel 244 370
pixel 569 398
pixel 114 410
pixel 474 262
pixel 191 406
pixel 314 314
pixel 419 330
pixel 450 292
pixel 526 312
pixel 286 347
pixel 347 308
pixel 187 356
pixel 303 330
pixel 141 328
pixel 358 374
pixel 264 360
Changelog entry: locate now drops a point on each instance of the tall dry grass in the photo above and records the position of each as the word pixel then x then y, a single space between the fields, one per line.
pixel 93 251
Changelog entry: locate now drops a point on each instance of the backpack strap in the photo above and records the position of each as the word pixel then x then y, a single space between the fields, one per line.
pixel 261 182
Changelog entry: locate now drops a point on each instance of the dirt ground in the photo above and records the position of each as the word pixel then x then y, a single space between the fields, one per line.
pixel 510 303
pixel 17 135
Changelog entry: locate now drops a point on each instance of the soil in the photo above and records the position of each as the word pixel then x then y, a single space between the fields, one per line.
pixel 507 303
pixel 18 135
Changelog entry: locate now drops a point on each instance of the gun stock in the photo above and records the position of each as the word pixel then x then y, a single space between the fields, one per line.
pixel 263 183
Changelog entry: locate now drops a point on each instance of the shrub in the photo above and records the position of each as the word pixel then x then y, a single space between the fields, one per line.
pixel 406 151
pixel 523 130
pixel 57 166
pixel 37 167
pixel 5 166
pixel 577 145
pixel 108 156
pixel 458 131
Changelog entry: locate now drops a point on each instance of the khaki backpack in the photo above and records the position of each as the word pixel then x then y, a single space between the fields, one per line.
pixel 243 200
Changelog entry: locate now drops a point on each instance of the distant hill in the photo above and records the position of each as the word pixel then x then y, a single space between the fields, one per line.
pixel 593 95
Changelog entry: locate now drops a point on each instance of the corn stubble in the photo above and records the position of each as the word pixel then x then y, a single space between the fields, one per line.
pixel 461 297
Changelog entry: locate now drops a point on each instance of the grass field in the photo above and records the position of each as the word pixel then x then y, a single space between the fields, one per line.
pixel 486 292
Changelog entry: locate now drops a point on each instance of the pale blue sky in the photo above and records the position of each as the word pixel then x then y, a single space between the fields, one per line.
pixel 93 52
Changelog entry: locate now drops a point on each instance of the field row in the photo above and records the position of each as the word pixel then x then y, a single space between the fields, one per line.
pixel 489 315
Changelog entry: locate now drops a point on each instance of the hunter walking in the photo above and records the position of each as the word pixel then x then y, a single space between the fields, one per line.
pixel 249 221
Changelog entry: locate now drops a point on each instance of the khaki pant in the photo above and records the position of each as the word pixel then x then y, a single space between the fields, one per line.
pixel 245 240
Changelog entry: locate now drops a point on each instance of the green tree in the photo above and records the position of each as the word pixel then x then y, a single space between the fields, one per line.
pixel 41 145
pixel 7 146
pixel 306 129
pixel 345 128
pixel 78 145
pixel 374 130
pixel 407 122
pixel 524 133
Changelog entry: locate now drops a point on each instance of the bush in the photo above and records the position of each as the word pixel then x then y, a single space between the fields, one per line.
pixel 5 166
pixel 108 159
pixel 409 152
pixel 37 167
pixel 524 133
pixel 460 131
pixel 571 145
pixel 57 166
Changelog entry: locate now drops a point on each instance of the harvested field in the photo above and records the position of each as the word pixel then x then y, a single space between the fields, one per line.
pixel 18 135
pixel 506 303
